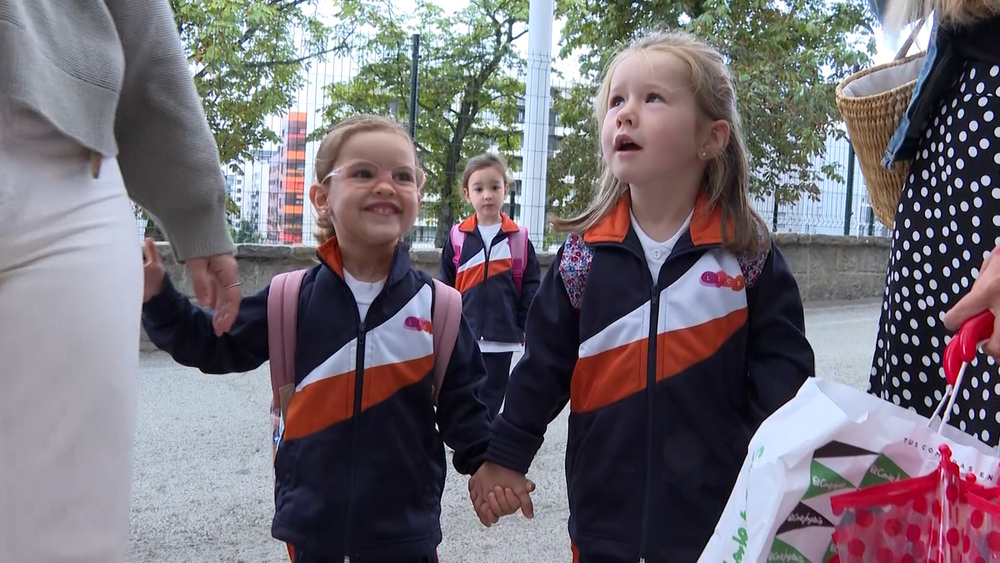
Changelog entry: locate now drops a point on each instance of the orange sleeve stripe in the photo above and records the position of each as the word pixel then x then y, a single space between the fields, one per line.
pixel 382 382
pixel 320 405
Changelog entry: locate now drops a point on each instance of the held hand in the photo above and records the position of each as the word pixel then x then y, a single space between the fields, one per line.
pixel 985 294
pixel 153 272
pixel 216 285
pixel 497 491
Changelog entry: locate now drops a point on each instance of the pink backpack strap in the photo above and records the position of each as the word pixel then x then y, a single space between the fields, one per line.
pixel 445 320
pixel 282 313
pixel 518 241
pixel 457 238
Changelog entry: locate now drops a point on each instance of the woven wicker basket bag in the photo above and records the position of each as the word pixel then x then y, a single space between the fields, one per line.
pixel 872 103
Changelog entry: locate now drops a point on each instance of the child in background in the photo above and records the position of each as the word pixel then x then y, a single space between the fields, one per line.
pixel 669 322
pixel 496 270
pixel 361 466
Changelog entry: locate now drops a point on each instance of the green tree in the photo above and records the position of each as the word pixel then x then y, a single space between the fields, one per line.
pixel 245 230
pixel 468 86
pixel 786 57
pixel 249 58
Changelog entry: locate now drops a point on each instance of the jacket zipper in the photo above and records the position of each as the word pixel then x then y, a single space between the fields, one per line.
pixel 654 309
pixel 486 276
pixel 654 301
pixel 359 373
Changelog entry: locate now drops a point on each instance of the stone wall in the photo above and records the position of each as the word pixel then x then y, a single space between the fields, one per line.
pixel 826 267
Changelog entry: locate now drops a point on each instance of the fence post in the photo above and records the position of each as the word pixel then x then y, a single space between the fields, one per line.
pixel 414 65
pixel 849 206
pixel 774 216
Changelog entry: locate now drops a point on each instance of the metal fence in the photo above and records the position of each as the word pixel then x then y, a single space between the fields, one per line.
pixel 269 194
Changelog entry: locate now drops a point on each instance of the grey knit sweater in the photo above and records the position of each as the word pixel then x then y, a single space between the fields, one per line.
pixel 112 74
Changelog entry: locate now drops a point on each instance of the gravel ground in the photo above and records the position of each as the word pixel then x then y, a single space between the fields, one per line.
pixel 203 490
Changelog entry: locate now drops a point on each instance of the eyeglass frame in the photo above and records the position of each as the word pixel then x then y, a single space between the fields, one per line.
pixel 421 177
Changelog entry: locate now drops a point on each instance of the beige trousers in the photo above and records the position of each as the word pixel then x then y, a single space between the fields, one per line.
pixel 70 299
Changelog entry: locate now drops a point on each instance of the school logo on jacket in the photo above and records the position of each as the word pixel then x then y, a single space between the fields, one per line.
pixel 416 323
pixel 721 279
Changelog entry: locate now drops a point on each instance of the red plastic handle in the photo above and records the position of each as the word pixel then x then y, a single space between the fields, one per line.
pixel 963 347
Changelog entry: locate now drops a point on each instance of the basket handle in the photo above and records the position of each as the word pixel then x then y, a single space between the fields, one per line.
pixel 911 39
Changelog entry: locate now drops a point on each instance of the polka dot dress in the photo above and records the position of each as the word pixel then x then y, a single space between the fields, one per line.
pixel 948 220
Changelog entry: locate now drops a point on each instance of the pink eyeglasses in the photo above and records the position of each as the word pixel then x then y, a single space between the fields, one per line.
pixel 362 174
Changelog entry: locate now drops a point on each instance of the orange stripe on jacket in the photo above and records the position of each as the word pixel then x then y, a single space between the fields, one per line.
pixel 382 382
pixel 470 277
pixel 320 405
pixel 609 376
pixel 678 350
pixel 473 275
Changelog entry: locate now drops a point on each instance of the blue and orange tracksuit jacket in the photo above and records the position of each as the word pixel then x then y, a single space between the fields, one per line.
pixel 490 300
pixel 361 466
pixel 663 380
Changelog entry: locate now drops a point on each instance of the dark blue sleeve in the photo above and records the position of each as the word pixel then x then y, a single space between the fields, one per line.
pixel 447 273
pixel 539 386
pixel 462 416
pixel 184 331
pixel 779 357
pixel 529 285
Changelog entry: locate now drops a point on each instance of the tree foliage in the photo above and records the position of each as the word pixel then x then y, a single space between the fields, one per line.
pixel 786 58
pixel 249 59
pixel 468 86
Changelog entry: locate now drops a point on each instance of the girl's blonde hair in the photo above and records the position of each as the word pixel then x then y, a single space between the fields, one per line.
pixel 898 13
pixel 329 150
pixel 726 176
pixel 485 160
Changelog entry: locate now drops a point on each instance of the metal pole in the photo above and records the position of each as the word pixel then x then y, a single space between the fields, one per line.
pixel 849 206
pixel 774 216
pixel 535 145
pixel 414 65
pixel 871 220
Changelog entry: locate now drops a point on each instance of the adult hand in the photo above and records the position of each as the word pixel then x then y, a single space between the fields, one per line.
pixel 153 271
pixel 985 294
pixel 216 286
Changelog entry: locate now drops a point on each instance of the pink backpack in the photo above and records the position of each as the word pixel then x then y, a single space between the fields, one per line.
pixel 518 242
pixel 282 313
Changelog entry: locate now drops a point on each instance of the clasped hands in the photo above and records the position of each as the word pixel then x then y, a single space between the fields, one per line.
pixel 496 491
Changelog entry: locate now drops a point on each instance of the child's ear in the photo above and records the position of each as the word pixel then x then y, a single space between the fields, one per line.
pixel 319 198
pixel 716 139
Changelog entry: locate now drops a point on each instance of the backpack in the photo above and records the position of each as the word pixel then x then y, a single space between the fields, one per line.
pixel 517 241
pixel 574 267
pixel 282 313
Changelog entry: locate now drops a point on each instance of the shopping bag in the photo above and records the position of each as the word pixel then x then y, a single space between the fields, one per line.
pixel 829 438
